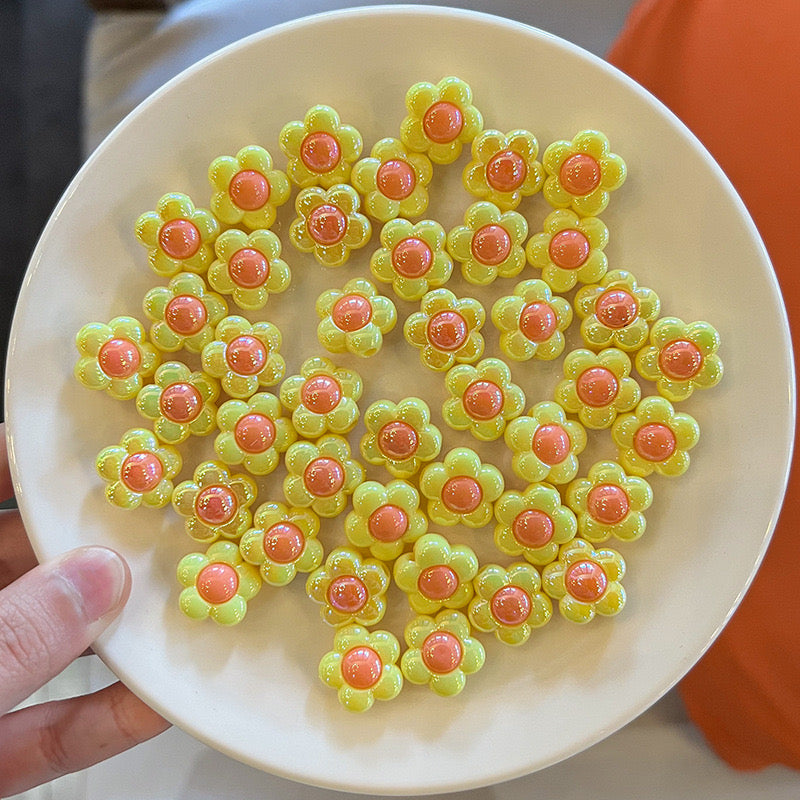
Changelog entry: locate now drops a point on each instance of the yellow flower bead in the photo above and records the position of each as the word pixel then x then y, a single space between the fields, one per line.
pixel 504 168
pixel 441 119
pixel 582 173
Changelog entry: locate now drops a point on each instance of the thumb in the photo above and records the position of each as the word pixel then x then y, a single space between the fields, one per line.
pixel 50 615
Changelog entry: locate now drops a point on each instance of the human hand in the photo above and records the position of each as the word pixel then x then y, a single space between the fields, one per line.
pixel 49 615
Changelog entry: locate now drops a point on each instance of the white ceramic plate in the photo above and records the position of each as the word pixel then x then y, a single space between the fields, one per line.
pixel 252 690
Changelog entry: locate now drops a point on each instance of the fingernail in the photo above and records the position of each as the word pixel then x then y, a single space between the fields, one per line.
pixel 98 578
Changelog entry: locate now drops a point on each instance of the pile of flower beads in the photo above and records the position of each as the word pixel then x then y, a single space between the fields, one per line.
pixel 551 537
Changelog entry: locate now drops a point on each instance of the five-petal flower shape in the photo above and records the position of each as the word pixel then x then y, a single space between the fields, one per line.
pixel 582 173
pixel 249 268
pixel 253 433
pixel 569 250
pixel 354 319
pixel 400 436
pixel 217 584
pixel 183 314
pixel 393 181
pixel 489 244
pixel 545 444
pixel 328 224
pixel 461 489
pixel 247 188
pixel 437 574
pixel 504 168
pixel 680 358
pixel 321 475
pixel 655 438
pixel 115 357
pixel 441 119
pixel 609 502
pixel 446 329
pixel 385 518
pixel 597 386
pixel 509 602
pixel 215 503
pixel 483 398
pixel 412 257
pixel 349 589
pixel 282 542
pixel 244 356
pixel 441 652
pixel 178 236
pixel 320 149
pixel 362 667
pixel 533 524
pixel 139 470
pixel 585 581
pixel 323 398
pixel 532 322
pixel 616 312
pixel 180 402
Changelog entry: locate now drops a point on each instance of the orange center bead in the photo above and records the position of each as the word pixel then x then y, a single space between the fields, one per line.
pixel 569 249
pixel 181 403
pixel 608 504
pixel 506 171
pixel 324 477
pixel 438 582
pixel 680 360
pixel 462 494
pixel 388 523
pixel 580 174
pixel 141 472
pixel 551 444
pixel 217 583
pixel 216 505
pixel 443 122
pixel 586 581
pixel 361 667
pixel 351 313
pixel 442 652
pixel 185 315
pixel 347 594
pixel 532 528
pixel 447 330
pixel 327 225
pixel 597 387
pixel 398 441
pixel 119 358
pixel 654 442
pixel 321 394
pixel 246 355
pixel 249 190
pixel 483 400
pixel 284 542
pixel 254 433
pixel 396 179
pixel 179 238
pixel 320 152
pixel 248 268
pixel 412 258
pixel 616 308
pixel 491 245
pixel 538 322
pixel 511 605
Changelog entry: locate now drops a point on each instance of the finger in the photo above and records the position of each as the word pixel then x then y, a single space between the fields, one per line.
pixel 16 554
pixel 6 485
pixel 41 743
pixel 51 614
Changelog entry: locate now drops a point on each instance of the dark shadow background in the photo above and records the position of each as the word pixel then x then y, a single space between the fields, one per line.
pixel 41 52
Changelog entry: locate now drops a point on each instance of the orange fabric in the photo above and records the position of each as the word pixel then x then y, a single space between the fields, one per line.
pixel 730 70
